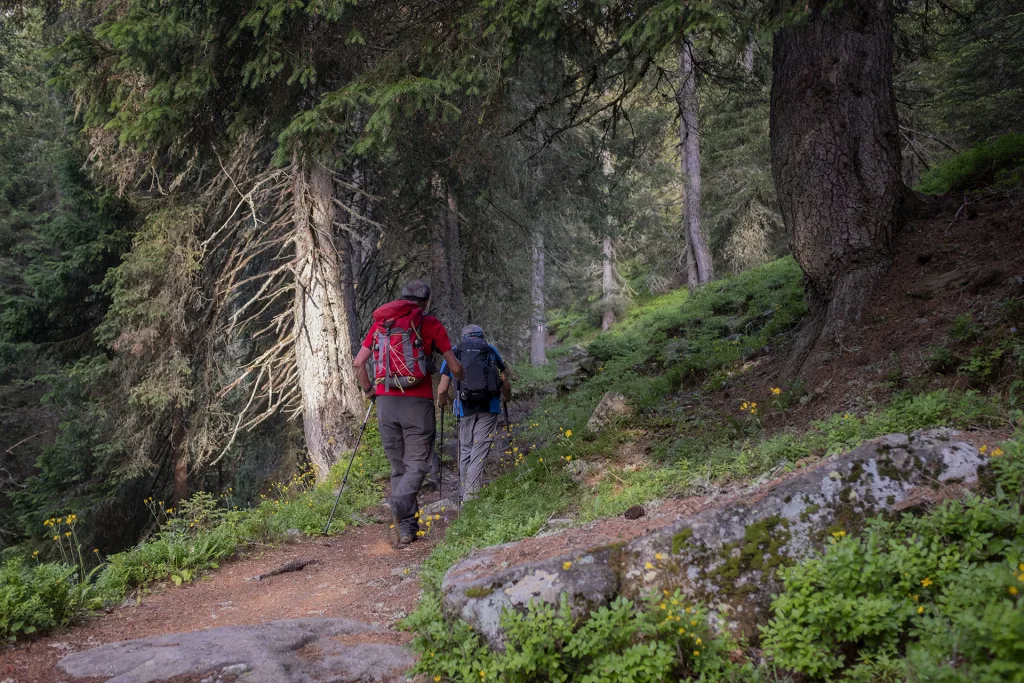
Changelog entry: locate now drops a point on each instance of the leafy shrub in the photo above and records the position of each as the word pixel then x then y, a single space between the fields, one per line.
pixel 660 639
pixel 937 597
pixel 41 596
pixel 942 360
pixel 999 161
pixel 964 329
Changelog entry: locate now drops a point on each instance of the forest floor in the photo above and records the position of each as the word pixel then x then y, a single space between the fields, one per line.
pixel 358 575
pixel 950 263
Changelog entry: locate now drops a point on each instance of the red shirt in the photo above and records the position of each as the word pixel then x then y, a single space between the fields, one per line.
pixel 435 339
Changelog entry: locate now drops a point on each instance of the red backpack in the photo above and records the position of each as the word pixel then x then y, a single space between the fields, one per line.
pixel 400 357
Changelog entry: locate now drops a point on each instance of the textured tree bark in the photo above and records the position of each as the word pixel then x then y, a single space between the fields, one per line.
pixel 689 155
pixel 836 158
pixel 449 302
pixel 607 284
pixel 330 398
pixel 538 323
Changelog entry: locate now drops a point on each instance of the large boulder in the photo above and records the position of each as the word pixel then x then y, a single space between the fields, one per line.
pixel 265 653
pixel 725 554
pixel 612 405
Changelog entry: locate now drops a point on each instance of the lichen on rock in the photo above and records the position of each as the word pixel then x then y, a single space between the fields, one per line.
pixel 728 554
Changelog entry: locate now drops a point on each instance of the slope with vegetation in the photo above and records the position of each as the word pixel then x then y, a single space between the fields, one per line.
pixel 926 597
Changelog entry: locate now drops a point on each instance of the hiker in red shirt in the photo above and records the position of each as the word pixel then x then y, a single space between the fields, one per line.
pixel 401 343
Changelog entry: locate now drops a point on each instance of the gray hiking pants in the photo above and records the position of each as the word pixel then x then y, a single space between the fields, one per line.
pixel 407 432
pixel 476 436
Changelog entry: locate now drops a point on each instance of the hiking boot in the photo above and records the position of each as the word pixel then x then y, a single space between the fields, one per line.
pixel 393 533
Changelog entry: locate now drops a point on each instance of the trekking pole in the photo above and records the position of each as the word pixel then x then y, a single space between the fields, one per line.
pixel 508 425
pixel 458 458
pixel 440 460
pixel 349 468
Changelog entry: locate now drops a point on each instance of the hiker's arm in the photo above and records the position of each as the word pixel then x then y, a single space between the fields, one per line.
pixel 454 365
pixel 442 391
pixel 362 376
pixel 506 387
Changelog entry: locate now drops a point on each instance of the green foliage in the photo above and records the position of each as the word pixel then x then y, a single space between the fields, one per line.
pixel 41 596
pixel 998 162
pixel 197 536
pixel 927 598
pixel 662 638
pixel 513 506
pixel 678 339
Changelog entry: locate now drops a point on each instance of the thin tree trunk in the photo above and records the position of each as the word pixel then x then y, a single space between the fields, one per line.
pixel 689 154
pixel 836 158
pixel 607 284
pixel 748 52
pixel 538 323
pixel 330 398
pixel 179 453
pixel 607 256
pixel 449 302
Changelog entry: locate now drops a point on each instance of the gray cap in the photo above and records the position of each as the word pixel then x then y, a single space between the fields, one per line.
pixel 416 289
pixel 473 331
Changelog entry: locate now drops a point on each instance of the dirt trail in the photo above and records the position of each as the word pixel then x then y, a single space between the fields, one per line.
pixel 358 576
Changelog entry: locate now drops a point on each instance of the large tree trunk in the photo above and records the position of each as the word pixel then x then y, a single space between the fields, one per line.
pixel 689 156
pixel 836 158
pixel 607 285
pixel 449 302
pixel 323 351
pixel 538 322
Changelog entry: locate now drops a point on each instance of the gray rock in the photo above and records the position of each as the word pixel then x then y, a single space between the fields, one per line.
pixel 727 555
pixel 267 653
pixel 611 406
pixel 450 508
pixel 554 525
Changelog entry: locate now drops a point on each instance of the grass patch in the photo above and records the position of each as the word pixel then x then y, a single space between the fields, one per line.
pixel 197 536
pixel 999 162
pixel 680 340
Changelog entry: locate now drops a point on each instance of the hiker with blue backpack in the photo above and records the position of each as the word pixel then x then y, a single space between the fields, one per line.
pixel 478 396
pixel 401 344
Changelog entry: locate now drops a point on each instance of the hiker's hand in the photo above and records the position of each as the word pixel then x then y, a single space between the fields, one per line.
pixel 370 394
pixel 442 401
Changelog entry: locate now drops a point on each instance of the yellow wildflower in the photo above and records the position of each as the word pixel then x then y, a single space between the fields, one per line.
pixel 776 391
pixel 566 565
pixel 1013 591
pixel 926 582
pixel 56 538
pixel 682 631
pixel 436 679
pixel 647 565
pixel 568 433
pixel 696 653
pixel 698 641
pixel 920 610
pixel 657 556
pixel 996 452
pixel 984 449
